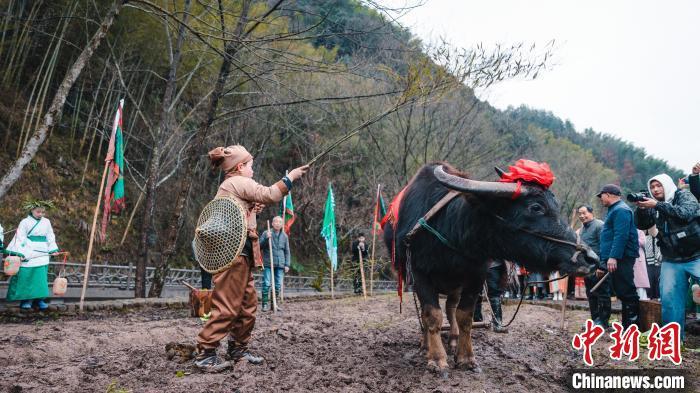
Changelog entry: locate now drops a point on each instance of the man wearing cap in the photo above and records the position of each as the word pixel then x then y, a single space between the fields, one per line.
pixel 234 301
pixel 619 249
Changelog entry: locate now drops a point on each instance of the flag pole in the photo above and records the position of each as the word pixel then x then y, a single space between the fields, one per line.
pixel 374 238
pixel 92 237
pixel 362 273
pixel 272 268
pixel 284 225
pixel 332 291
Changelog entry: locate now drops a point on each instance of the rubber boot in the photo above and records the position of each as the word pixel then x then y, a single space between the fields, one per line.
pixel 41 304
pixel 478 317
pixel 207 360
pixel 630 314
pixel 279 302
pixel 594 307
pixel 25 305
pixel 265 305
pixel 237 352
pixel 497 317
pixel 604 310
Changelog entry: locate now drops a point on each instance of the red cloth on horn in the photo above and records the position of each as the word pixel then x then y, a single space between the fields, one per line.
pixel 529 171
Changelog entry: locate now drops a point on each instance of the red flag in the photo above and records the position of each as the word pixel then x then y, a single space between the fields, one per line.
pixel 287 212
pixel 393 213
pixel 114 200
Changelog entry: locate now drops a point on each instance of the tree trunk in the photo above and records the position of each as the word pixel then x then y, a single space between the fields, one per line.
pixel 189 160
pixel 154 169
pixel 54 112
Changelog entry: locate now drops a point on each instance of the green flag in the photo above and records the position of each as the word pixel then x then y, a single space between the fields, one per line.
pixel 287 211
pixel 379 211
pixel 328 231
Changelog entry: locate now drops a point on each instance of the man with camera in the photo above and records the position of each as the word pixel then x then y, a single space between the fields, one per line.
pixel 676 214
pixel 619 248
pixel 694 181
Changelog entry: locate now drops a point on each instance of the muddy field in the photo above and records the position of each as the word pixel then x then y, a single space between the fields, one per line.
pixel 345 345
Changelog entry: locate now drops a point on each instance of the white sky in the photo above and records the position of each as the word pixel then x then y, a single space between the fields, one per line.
pixel 626 68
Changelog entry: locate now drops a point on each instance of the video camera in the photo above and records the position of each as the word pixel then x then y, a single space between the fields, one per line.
pixel 638 196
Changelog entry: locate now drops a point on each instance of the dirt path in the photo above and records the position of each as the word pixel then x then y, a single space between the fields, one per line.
pixel 345 345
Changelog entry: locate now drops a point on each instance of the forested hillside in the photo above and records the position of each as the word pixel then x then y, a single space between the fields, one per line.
pixel 284 79
pixel 632 164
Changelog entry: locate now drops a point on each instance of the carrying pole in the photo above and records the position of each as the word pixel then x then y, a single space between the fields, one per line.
pixel 92 237
pixel 332 291
pixel 284 225
pixel 374 239
pixel 362 273
pixel 272 268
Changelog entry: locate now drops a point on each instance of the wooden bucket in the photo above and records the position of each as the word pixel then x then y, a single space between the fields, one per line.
pixel 649 312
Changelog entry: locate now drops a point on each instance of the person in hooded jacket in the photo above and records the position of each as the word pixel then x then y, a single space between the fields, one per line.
pixel 674 212
pixel 694 181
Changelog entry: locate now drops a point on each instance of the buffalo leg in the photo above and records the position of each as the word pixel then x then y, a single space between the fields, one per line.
pixel 464 357
pixel 431 316
pixel 451 311
pixel 432 320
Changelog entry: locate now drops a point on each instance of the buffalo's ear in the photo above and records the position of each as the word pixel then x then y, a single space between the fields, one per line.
pixel 499 171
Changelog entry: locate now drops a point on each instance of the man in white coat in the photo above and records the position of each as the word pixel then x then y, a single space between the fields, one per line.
pixel 34 242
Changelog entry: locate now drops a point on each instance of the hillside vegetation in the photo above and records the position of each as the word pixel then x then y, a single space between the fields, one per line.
pixel 295 75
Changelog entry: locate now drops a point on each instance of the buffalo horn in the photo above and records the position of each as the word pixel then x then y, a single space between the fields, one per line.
pixel 461 184
pixel 499 171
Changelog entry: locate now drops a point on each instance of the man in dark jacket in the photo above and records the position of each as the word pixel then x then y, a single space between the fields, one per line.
pixel 673 211
pixel 619 248
pixel 495 281
pixel 598 301
pixel 359 246
pixel 280 258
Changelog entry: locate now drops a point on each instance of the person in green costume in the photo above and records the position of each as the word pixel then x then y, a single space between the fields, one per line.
pixel 34 242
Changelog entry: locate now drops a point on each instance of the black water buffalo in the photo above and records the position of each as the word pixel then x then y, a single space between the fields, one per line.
pixel 481 224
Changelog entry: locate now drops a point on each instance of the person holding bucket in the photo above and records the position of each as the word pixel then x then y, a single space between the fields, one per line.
pixel 34 242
